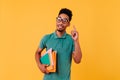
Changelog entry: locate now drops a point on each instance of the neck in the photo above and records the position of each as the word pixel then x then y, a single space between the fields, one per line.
pixel 59 34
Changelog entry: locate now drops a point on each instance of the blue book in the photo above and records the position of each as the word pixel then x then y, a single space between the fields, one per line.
pixel 45 59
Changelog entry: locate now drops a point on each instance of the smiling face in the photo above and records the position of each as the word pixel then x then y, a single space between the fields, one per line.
pixel 62 22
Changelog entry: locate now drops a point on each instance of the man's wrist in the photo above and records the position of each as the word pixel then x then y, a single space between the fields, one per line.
pixel 76 40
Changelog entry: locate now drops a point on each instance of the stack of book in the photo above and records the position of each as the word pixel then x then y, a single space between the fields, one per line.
pixel 49 58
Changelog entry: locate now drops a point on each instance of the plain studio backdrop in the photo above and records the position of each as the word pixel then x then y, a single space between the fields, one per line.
pixel 24 22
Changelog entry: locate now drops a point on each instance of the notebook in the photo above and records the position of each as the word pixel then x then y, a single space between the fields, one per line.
pixel 49 58
pixel 45 59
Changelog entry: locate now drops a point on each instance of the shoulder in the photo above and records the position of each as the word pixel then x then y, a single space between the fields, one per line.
pixel 69 37
pixel 47 36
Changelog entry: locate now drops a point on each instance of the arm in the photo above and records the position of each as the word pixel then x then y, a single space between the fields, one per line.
pixel 42 67
pixel 77 54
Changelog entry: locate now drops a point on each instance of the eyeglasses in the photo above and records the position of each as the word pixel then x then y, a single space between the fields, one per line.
pixel 64 20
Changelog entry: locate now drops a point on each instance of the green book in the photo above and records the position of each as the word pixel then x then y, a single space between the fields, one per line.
pixel 45 59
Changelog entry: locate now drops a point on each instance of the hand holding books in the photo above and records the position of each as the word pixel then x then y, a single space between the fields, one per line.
pixel 49 58
pixel 43 69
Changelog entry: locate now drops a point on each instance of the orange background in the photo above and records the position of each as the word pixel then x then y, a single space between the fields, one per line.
pixel 24 22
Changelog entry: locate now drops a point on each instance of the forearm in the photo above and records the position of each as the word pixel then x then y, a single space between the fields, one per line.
pixel 42 67
pixel 37 58
pixel 77 55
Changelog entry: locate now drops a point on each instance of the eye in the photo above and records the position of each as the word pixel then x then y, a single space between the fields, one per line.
pixel 58 19
pixel 65 20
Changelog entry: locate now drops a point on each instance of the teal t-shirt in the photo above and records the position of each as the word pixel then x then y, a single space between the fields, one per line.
pixel 64 46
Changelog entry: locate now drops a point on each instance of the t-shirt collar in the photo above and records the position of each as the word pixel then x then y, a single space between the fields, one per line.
pixel 63 36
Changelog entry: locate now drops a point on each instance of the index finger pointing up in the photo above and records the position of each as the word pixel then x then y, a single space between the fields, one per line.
pixel 74 28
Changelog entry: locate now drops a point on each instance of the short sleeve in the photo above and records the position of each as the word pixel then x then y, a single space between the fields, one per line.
pixel 43 41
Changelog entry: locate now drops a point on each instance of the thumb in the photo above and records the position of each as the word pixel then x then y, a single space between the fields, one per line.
pixel 46 65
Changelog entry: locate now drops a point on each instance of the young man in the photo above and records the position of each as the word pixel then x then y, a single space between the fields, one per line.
pixel 67 46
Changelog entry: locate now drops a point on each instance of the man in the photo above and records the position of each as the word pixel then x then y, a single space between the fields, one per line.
pixel 67 46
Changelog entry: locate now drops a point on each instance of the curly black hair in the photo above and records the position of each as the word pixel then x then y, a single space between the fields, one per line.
pixel 67 12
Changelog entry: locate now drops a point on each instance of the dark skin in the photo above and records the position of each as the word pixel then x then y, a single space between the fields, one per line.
pixel 60 30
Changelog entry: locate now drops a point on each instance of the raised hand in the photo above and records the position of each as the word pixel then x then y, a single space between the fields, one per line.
pixel 74 34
